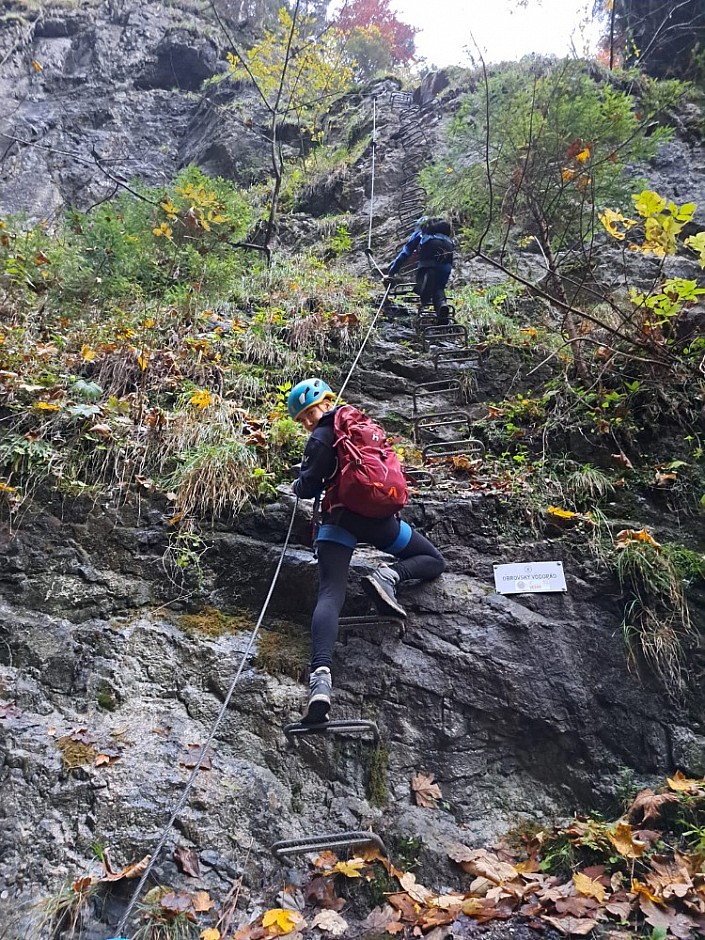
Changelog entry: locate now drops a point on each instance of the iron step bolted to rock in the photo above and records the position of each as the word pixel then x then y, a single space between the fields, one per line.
pixel 363 622
pixel 333 840
pixel 357 726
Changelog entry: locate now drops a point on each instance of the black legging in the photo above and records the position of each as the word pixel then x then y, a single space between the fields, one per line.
pixel 430 286
pixel 418 560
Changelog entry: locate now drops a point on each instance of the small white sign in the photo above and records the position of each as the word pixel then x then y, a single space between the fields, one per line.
pixel 529 578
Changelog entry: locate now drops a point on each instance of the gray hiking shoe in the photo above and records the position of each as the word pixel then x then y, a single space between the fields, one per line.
pixel 318 697
pixel 381 586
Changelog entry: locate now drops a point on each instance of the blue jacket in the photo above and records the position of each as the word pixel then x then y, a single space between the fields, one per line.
pixel 434 251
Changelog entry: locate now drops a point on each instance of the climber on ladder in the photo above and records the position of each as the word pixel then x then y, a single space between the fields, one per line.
pixel 433 245
pixel 348 456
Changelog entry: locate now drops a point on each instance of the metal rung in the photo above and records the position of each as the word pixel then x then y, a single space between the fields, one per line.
pixel 371 620
pixel 403 99
pixel 332 840
pixel 453 448
pixel 451 356
pixel 443 331
pixel 419 477
pixel 433 388
pixel 339 726
pixel 441 420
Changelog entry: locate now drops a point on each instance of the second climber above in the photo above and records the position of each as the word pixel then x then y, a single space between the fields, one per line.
pixel 433 246
pixel 359 506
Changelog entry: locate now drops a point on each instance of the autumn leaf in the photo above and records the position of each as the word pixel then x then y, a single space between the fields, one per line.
pixel 572 926
pixel 425 791
pixel 175 902
pixel 129 871
pixel 202 902
pixel 567 174
pixel 681 784
pixel 622 838
pixel 648 203
pixel 321 891
pixel 583 156
pixel 190 759
pixel 103 760
pixel 625 536
pixel 589 888
pixel 210 933
pixel 379 920
pixel 282 921
pixel 331 923
pixel 415 891
pixel 483 864
pixel 37 66
pixel 647 805
pixel 350 869
pixel 47 406
pixel 187 860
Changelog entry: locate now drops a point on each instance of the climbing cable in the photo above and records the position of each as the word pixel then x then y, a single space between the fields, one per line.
pixel 224 707
pixel 372 183
pixel 216 725
pixel 364 342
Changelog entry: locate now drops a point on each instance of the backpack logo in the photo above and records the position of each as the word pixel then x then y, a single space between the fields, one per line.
pixel 370 481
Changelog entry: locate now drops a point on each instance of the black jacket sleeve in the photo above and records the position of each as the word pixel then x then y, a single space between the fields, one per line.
pixel 319 464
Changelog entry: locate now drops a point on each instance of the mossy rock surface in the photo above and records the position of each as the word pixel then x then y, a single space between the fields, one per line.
pixel 214 623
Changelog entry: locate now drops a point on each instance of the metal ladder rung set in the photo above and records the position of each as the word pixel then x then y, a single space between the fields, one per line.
pixel 446 357
pixel 342 726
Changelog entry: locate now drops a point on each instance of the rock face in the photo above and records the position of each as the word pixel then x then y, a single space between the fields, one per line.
pixel 524 708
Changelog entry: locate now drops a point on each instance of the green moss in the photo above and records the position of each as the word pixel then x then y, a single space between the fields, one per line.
pixel 106 698
pixel 75 754
pixel 377 780
pixel 283 650
pixel 211 622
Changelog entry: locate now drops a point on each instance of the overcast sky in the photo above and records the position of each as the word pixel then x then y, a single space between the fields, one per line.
pixel 446 26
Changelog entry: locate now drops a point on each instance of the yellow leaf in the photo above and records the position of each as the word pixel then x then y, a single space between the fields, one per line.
pixel 622 838
pixel 639 888
pixel 567 174
pixel 632 535
pixel 4 488
pixel 611 220
pixel 281 920
pixel 143 359
pixel 37 66
pixel 47 406
pixel 201 398
pixel 162 229
pixel 561 513
pixel 148 324
pixel 210 933
pixel 350 869
pixel 588 887
pixel 681 784
pixel 648 203
pixel 583 156
pixel 87 353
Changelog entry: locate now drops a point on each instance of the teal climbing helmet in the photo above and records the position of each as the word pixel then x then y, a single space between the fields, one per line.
pixel 306 393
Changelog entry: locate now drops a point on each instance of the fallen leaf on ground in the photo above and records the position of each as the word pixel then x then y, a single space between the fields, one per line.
pixel 129 871
pixel 622 838
pixel 425 791
pixel 203 902
pixel 331 923
pixel 187 860
pixel 379 920
pixel 282 921
pixel 681 784
pixel 415 891
pixel 572 926
pixel 321 891
pixel 175 903
pixel 588 887
pixel 485 864
pixel 350 869
pixel 210 933
pixel 647 805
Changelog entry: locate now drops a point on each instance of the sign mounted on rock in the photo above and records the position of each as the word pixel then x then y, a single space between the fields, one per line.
pixel 538 577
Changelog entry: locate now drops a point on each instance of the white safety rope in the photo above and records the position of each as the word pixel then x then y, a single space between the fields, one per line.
pixel 224 707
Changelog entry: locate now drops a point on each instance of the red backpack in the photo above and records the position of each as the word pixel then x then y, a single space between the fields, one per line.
pixel 370 480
